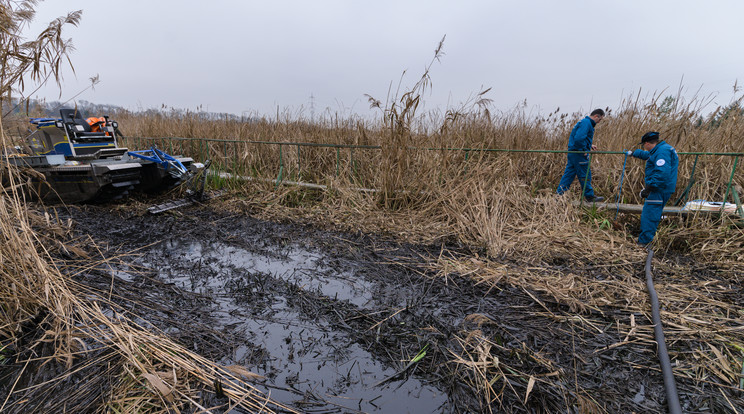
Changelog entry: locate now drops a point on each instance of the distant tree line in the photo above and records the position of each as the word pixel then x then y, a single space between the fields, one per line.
pixel 40 108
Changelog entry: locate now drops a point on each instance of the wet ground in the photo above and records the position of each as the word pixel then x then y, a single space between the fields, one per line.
pixel 266 300
pixel 332 320
pixel 323 317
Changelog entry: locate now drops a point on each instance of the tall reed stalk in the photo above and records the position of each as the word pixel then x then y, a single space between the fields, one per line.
pixel 52 323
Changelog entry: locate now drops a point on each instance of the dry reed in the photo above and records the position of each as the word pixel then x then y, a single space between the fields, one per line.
pixel 579 266
pixel 54 329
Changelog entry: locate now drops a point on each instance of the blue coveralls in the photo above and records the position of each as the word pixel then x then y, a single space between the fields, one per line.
pixel 581 138
pixel 661 179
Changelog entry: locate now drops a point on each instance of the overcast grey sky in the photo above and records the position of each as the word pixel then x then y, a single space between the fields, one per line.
pixel 252 57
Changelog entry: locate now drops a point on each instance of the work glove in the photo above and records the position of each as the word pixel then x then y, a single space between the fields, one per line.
pixel 645 192
pixel 629 153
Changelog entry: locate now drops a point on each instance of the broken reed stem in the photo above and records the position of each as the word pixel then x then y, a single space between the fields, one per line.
pixel 82 323
pixel 502 204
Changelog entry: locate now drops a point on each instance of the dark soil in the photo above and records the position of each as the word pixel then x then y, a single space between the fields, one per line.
pixel 332 319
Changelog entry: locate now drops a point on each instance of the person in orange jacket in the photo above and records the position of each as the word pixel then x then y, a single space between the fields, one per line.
pixel 96 123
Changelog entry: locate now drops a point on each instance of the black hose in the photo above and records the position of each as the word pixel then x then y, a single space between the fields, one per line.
pixel 666 366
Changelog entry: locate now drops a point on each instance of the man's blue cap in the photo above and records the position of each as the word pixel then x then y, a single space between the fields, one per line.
pixel 649 136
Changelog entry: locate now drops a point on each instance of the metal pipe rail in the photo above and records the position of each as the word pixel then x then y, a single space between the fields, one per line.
pixel 730 190
pixel 466 149
pixel 354 146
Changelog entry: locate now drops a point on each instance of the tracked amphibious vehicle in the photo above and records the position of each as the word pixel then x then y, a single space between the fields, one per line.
pixel 78 160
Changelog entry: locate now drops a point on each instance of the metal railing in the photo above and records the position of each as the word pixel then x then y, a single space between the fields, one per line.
pixel 202 149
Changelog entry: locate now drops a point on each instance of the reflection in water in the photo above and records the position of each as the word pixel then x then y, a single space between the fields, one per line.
pixel 307 363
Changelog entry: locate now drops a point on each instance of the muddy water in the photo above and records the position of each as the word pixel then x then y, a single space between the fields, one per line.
pixel 292 264
pixel 307 362
pixel 326 316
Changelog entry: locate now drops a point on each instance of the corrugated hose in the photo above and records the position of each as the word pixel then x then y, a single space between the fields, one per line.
pixel 666 366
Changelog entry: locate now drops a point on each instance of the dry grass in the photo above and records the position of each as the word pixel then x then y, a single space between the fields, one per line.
pixel 581 276
pixel 580 266
pixel 55 325
pixel 398 169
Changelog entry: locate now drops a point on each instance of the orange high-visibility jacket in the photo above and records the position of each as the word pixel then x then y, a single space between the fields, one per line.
pixel 96 123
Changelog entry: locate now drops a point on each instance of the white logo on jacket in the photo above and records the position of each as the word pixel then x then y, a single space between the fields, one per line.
pixel 659 163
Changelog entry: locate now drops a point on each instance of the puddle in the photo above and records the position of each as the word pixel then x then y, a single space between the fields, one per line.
pixel 290 263
pixel 284 300
pixel 318 366
pixel 307 363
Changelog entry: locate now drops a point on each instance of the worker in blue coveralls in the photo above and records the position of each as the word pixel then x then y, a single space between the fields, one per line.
pixel 577 166
pixel 660 183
